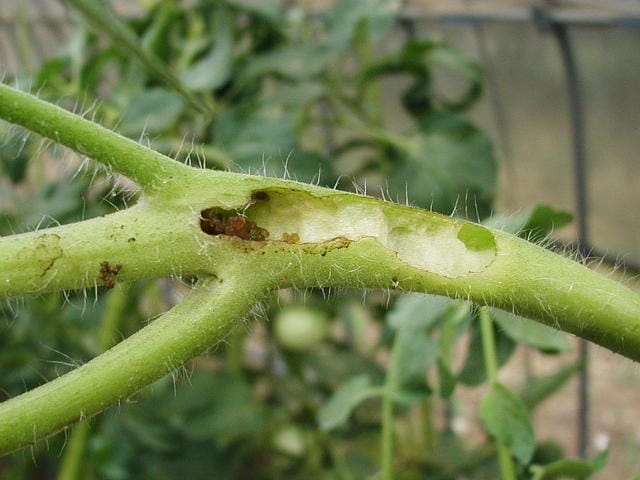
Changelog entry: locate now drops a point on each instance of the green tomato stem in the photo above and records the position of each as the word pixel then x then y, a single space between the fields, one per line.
pixel 316 237
pixel 123 155
pixel 387 421
pixel 488 345
pixel 71 464
pixel 202 319
pixel 507 468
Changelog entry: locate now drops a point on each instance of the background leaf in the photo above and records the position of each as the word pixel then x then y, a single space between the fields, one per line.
pixel 450 161
pixel 473 371
pixel 539 389
pixel 570 467
pixel 152 112
pixel 533 334
pixel 214 70
pixel 417 310
pixel 336 411
pixel 534 224
pixel 506 418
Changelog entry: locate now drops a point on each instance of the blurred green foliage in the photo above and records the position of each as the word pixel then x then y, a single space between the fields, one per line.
pixel 287 93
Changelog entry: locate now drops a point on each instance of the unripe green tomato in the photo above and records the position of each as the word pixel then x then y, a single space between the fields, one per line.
pixel 290 440
pixel 299 328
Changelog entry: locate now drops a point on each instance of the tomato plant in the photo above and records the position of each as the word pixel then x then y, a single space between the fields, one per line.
pixel 253 91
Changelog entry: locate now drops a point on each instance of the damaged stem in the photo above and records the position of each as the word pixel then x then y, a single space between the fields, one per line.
pixel 245 235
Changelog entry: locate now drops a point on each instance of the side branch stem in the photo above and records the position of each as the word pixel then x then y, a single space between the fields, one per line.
pixel 123 155
pixel 202 319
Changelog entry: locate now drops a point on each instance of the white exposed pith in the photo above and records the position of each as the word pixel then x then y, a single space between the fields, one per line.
pixel 420 239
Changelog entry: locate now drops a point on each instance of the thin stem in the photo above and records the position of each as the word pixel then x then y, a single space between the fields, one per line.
pixel 116 304
pixel 488 345
pixel 507 468
pixel 235 351
pixel 125 156
pixel 447 336
pixel 429 430
pixel 386 453
pixel 203 318
pixel 387 421
pixel 71 464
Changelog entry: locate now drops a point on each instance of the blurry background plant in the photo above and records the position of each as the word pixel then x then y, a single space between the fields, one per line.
pixel 334 385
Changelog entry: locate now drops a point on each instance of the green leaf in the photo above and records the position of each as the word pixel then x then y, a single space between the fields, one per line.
pixel 153 111
pixel 264 140
pixel 149 434
pixel 570 467
pixel 214 70
pixel 567 467
pixel 455 321
pixel 534 224
pixel 414 354
pixel 195 461
pixel 227 409
pixel 218 406
pixel 541 388
pixel 417 58
pixel 506 418
pixel 330 367
pixel 473 372
pixel 600 460
pixel 416 309
pixel 447 379
pixel 163 15
pixel 14 154
pixel 531 333
pixel 449 163
pixel 337 410
pixel 101 15
pixel 347 15
pixel 297 62
pixel 269 9
pixel 460 63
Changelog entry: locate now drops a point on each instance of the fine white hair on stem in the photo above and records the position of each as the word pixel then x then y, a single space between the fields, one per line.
pixel 454 210
pixel 315 180
pixel 466 203
pixel 175 151
pixel 356 187
pixel 285 166
pixel 382 194
pixel 201 157
pixel 91 110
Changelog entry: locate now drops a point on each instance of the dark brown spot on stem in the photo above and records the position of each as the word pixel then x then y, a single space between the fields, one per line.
pixel 108 274
pixel 259 197
pixel 215 221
